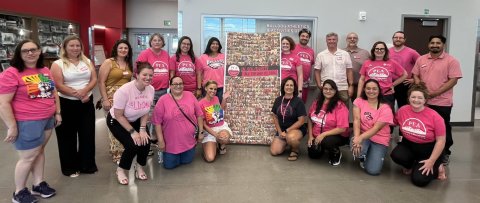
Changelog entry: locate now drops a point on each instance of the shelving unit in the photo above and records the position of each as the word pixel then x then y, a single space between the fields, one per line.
pixel 13 29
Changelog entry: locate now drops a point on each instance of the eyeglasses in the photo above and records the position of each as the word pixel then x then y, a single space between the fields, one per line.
pixel 177 84
pixel 398 37
pixel 379 49
pixel 32 50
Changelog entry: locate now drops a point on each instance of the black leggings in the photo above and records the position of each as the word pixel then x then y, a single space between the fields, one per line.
pixel 408 154
pixel 330 143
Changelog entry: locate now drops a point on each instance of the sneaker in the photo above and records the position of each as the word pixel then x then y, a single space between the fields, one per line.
pixel 446 159
pixel 362 162
pixel 24 196
pixel 337 157
pixel 43 189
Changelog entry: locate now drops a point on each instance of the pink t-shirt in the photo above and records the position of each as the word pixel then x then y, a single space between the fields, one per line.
pixel 382 71
pixel 435 73
pixel 338 118
pixel 178 132
pixel 307 59
pixel 212 112
pixel 185 69
pixel 405 58
pixel 134 102
pixel 33 88
pixel 369 116
pixel 213 68
pixel 420 127
pixel 289 65
pixel 160 64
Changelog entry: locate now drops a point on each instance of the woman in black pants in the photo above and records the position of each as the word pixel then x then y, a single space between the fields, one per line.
pixel 127 120
pixel 423 139
pixel 327 124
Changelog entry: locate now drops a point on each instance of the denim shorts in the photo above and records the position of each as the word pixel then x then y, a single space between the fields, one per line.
pixel 31 134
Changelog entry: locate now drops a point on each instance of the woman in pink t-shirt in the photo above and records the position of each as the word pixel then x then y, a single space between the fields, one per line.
pixel 291 66
pixel 212 66
pixel 371 133
pixel 30 108
pixel 184 64
pixel 386 71
pixel 423 140
pixel 327 124
pixel 216 129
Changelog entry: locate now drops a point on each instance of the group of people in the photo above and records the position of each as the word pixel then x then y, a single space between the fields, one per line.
pixel 175 101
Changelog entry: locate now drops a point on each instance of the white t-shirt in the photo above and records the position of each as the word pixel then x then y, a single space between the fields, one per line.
pixel 134 102
pixel 74 76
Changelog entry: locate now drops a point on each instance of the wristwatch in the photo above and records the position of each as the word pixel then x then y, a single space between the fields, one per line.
pixel 131 131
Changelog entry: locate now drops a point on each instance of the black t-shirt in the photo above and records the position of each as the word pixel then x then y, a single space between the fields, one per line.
pixel 295 109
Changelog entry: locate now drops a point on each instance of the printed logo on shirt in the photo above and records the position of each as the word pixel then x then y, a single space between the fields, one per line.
pixel 186 68
pixel 368 116
pixel 215 64
pixel 140 102
pixel 213 114
pixel 286 64
pixel 414 127
pixel 378 73
pixel 305 57
pixel 39 86
pixel 159 68
pixel 319 118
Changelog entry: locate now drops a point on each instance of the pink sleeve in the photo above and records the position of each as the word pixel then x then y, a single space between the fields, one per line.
pixel 342 115
pixel 358 102
pixel 120 99
pixel 385 114
pixel 201 103
pixel 173 63
pixel 363 68
pixel 415 56
pixel 439 124
pixel 415 69
pixel 8 81
pixel 397 68
pixel 312 108
pixel 158 111
pixel 454 70
pixel 198 110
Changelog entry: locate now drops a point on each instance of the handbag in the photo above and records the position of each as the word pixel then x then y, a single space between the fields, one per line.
pixel 197 131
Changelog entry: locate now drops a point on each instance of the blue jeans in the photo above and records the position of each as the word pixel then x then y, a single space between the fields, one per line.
pixel 374 155
pixel 171 161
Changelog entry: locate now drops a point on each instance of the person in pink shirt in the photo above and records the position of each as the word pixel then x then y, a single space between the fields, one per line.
pixel 127 120
pixel 440 73
pixel 176 117
pixel 212 66
pixel 382 69
pixel 307 59
pixel 406 57
pixel 216 129
pixel 327 124
pixel 184 64
pixel 30 108
pixel 291 65
pixel 371 133
pixel 423 129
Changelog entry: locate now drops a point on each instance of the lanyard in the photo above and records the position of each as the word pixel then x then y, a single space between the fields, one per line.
pixel 283 112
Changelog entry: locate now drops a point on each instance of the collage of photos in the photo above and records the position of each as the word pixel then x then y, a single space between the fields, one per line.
pixel 252 97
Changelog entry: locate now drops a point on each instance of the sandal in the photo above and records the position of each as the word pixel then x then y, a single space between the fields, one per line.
pixel 442 173
pixel 139 175
pixel 121 180
pixel 293 156
pixel 222 150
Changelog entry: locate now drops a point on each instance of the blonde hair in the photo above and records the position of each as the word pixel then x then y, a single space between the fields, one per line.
pixel 81 57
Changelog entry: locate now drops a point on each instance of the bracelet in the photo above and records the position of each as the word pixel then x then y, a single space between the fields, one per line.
pixel 58 113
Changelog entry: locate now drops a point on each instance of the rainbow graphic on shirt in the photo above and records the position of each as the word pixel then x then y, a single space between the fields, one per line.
pixel 213 114
pixel 39 86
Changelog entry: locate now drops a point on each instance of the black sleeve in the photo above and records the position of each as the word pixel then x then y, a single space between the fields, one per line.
pixel 276 104
pixel 300 108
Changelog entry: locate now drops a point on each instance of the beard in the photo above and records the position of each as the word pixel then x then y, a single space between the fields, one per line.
pixel 435 50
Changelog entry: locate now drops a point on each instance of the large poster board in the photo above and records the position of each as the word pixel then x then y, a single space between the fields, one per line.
pixel 252 76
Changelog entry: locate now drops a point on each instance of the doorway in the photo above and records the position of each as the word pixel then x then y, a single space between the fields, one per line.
pixel 419 28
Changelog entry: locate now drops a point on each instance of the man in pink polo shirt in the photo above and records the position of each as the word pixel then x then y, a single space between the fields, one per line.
pixel 406 57
pixel 307 59
pixel 440 73
pixel 357 56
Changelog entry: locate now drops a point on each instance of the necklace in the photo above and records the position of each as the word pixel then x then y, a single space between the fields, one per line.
pixel 282 111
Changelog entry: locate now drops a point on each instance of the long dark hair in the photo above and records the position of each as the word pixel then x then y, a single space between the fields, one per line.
pixel 128 58
pixel 295 87
pixel 208 51
pixel 372 51
pixel 17 61
pixel 190 51
pixel 380 94
pixel 333 101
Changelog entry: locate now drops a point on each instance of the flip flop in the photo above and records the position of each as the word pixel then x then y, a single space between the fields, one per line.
pixel 293 156
pixel 223 150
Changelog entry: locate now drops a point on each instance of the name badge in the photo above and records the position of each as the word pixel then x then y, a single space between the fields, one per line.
pixel 125 72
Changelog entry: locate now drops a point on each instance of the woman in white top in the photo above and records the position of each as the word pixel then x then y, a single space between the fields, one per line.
pixel 75 77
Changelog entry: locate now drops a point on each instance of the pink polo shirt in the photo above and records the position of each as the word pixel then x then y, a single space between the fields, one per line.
pixel 307 59
pixel 382 71
pixel 420 127
pixel 185 69
pixel 178 132
pixel 435 73
pixel 160 65
pixel 212 68
pixel 369 116
pixel 334 66
pixel 289 65
pixel 338 118
pixel 405 58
